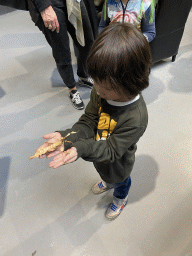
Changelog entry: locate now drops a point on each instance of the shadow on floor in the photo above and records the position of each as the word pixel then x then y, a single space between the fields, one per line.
pixel 4 173
pixel 56 80
pixel 81 221
pixel 14 121
pixel 144 176
pixel 6 9
pixel 2 93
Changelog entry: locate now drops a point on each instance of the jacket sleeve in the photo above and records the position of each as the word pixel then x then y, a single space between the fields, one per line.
pixel 86 126
pixel 111 149
pixel 42 5
pixel 147 28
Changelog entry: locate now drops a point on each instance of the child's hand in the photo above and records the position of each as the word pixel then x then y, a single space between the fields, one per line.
pixel 52 138
pixel 65 157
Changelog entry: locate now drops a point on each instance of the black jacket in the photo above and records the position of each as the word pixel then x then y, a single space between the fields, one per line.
pixel 28 5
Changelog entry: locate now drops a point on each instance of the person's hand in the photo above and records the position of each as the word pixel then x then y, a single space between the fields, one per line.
pixel 65 157
pixel 52 138
pixel 50 19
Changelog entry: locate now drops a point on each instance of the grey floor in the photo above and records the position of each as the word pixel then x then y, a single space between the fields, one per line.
pixel 46 212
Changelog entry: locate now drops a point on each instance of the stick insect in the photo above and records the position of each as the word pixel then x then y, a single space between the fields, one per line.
pixel 51 147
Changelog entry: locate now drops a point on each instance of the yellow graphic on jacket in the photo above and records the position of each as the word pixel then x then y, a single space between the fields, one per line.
pixel 105 127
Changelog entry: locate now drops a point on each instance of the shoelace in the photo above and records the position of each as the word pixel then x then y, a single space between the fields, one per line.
pixel 113 207
pixel 90 80
pixel 76 98
pixel 100 185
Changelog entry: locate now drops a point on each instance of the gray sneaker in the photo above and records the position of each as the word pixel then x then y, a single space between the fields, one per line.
pixel 100 187
pixel 116 207
pixel 76 100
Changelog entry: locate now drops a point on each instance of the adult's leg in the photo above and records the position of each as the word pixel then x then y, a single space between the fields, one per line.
pixel 59 43
pixel 80 51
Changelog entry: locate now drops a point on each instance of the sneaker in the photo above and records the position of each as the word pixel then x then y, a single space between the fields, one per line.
pixel 115 208
pixel 99 187
pixel 87 82
pixel 76 99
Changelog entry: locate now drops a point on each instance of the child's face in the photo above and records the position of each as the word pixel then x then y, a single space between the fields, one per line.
pixel 106 92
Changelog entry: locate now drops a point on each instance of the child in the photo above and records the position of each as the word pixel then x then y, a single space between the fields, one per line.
pixel 116 115
pixel 138 12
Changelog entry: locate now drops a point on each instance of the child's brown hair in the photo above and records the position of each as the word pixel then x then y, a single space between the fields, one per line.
pixel 121 56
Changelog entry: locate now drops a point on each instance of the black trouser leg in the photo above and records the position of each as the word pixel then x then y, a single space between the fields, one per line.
pixel 80 51
pixel 59 43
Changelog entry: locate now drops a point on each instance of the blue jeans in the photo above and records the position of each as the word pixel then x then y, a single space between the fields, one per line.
pixel 121 190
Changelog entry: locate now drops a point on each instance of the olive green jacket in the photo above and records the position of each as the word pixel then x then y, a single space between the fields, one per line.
pixel 107 135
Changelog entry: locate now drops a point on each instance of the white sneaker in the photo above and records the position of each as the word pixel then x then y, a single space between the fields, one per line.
pixel 76 99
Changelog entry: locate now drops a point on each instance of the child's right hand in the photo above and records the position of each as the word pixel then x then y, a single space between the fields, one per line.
pixel 52 138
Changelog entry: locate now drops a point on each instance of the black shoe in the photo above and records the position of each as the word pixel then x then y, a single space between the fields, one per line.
pixel 87 82
pixel 76 99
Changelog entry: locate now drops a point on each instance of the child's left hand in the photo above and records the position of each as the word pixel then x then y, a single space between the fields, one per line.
pixel 65 157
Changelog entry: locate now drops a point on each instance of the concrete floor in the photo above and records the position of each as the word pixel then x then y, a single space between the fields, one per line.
pixel 46 212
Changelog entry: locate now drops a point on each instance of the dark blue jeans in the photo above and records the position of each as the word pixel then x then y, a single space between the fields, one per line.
pixel 121 190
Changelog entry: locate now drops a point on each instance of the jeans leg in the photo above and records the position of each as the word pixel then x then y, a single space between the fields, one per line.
pixel 121 190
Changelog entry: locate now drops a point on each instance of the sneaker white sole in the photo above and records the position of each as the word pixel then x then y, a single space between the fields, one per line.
pixel 78 108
